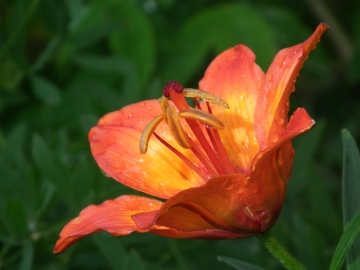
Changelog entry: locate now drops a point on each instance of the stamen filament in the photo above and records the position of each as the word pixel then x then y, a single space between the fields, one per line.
pixel 180 102
pixel 183 158
pixel 219 147
pixel 203 158
pixel 201 116
pixel 176 129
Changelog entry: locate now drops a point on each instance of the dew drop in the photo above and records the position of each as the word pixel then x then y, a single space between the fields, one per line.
pixel 279 120
pixel 149 108
pixel 274 138
pixel 247 178
pixel 252 167
pixel 143 104
pixel 229 185
pixel 263 217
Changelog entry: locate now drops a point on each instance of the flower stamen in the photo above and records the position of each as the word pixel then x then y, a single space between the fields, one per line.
pixel 209 150
pixel 201 116
pixel 176 129
pixel 148 131
pixel 205 96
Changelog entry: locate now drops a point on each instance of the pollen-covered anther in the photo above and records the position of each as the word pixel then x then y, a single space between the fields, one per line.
pixel 201 116
pixel 195 93
pixel 148 131
pixel 177 131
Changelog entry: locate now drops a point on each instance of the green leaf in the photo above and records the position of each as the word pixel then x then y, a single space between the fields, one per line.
pixel 105 65
pixel 134 37
pixel 215 30
pixel 111 249
pixel 46 54
pixel 53 169
pixel 238 264
pixel 16 218
pixel 76 12
pixel 45 90
pixel 351 192
pixel 27 257
pixel 134 261
pixel 352 231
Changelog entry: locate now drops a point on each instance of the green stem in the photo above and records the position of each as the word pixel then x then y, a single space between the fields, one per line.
pixel 280 252
pixel 18 28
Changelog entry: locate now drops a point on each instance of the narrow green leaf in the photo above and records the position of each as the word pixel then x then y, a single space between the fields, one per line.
pixel 352 231
pixel 134 261
pixel 45 90
pixel 27 257
pixel 111 249
pixel 76 12
pixel 14 142
pixel 16 218
pixel 134 37
pixel 46 54
pixel 53 169
pixel 351 192
pixel 238 264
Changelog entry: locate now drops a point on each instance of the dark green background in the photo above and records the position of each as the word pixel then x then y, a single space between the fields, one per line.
pixel 65 63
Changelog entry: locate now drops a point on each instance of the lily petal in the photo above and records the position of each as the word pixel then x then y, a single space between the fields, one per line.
pixel 202 234
pixel 243 205
pixel 115 147
pixel 113 216
pixel 272 105
pixel 219 204
pixel 234 77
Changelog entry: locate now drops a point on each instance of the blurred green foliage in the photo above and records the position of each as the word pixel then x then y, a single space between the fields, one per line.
pixel 64 64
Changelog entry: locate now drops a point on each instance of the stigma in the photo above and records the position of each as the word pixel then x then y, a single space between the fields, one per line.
pixel 209 149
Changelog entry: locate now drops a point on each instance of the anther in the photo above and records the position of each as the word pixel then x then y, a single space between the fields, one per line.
pixel 195 93
pixel 176 129
pixel 172 85
pixel 148 131
pixel 201 116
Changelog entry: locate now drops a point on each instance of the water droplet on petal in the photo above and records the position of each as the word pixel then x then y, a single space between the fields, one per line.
pixel 247 178
pixel 274 138
pixel 229 185
pixel 279 120
pixel 143 104
pixel 263 217
pixel 252 167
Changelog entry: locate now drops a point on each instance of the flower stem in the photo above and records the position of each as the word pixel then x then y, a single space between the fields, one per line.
pixel 280 252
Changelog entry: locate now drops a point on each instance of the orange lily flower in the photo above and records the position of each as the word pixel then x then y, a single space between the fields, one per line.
pixel 222 168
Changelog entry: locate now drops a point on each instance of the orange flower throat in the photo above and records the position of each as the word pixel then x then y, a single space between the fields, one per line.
pixel 210 150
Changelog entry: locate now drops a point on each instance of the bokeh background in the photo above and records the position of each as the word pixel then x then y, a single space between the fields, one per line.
pixel 65 63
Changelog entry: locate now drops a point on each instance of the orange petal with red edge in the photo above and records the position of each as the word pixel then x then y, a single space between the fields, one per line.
pixel 280 156
pixel 219 204
pixel 115 146
pixel 234 77
pixel 272 105
pixel 113 216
